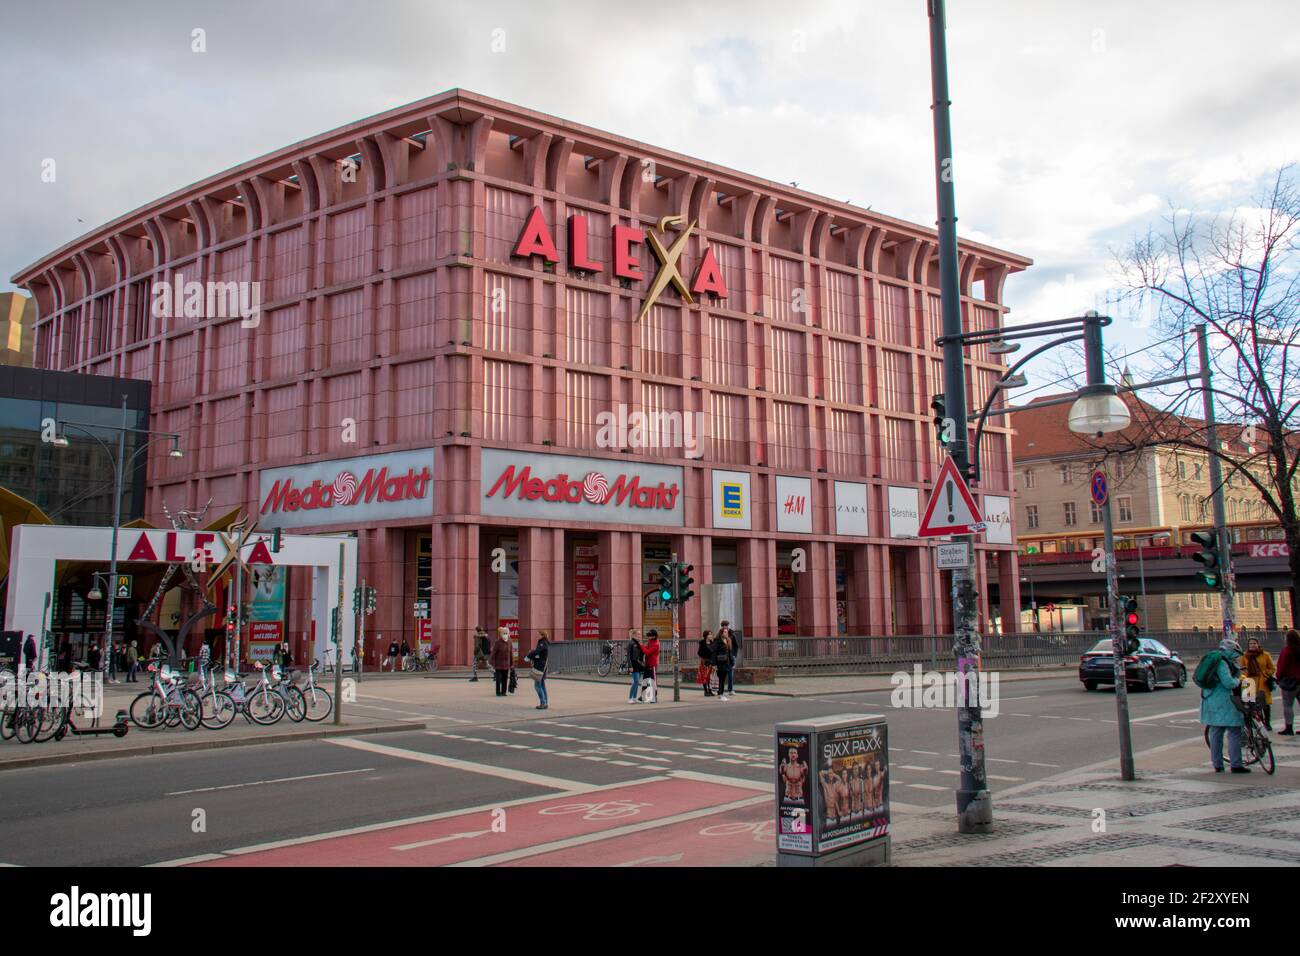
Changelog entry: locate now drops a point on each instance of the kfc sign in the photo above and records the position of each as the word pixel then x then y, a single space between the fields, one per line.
pixel 563 487
pixel 348 491
pixel 535 240
pixel 1271 549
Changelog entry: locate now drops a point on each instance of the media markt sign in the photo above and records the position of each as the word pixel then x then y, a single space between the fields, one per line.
pixel 348 491
pixel 567 488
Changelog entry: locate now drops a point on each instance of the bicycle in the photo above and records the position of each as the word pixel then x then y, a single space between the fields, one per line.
pixel 607 661
pixel 265 705
pixel 317 700
pixel 166 702
pixel 1255 744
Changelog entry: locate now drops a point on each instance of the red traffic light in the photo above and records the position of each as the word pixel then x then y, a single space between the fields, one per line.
pixel 1132 619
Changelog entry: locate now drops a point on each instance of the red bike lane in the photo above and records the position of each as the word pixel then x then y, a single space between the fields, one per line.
pixel 569 829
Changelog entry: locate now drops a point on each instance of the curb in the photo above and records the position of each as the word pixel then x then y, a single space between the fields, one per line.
pixel 213 743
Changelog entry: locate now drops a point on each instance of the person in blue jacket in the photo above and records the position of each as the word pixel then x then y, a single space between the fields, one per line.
pixel 1219 710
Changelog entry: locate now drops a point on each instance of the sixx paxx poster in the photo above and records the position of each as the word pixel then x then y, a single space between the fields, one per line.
pixel 853 782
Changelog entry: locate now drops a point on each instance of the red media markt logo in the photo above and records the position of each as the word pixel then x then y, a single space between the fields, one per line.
pixel 376 485
pixel 594 487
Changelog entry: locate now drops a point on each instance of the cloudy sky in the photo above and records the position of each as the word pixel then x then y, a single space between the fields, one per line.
pixel 1075 124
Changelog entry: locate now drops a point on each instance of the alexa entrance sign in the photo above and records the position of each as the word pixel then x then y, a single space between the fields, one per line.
pixel 951 509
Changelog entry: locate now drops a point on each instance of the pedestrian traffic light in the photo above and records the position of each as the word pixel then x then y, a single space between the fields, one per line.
pixel 940 409
pixel 1132 630
pixel 667 583
pixel 1209 557
pixel 684 582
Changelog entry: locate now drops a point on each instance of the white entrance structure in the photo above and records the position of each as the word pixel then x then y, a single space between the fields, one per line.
pixel 37 547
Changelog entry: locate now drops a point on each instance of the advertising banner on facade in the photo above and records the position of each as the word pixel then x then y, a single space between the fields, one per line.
pixel 586 591
pixel 508 589
pixel 656 612
pixel 267 603
pixel 997 519
pixel 348 491
pixel 851 508
pixel 731 500
pixel 566 488
pixel 794 504
pixel 263 636
pixel 904 512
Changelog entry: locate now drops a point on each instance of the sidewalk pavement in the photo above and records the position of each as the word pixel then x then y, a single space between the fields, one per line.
pixel 1177 813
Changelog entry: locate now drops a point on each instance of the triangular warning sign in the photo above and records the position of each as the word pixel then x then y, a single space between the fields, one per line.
pixel 951 509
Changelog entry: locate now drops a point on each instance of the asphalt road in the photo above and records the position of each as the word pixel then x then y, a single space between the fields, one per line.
pixel 196 805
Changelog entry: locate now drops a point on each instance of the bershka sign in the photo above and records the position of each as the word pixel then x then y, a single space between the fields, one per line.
pixel 535 240
pixel 564 487
pixel 348 490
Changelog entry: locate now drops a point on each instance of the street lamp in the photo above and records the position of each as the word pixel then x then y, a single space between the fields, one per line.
pixel 1097 411
pixel 119 466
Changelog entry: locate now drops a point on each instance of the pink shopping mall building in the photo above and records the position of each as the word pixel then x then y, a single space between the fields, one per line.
pixel 473 346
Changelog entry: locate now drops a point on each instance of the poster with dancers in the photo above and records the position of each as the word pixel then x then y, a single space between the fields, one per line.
pixel 853 785
pixel 794 792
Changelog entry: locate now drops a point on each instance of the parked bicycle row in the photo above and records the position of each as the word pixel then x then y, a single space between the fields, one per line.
pixel 41 708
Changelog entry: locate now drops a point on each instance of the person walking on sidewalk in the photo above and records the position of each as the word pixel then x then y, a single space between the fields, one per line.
pixel 704 652
pixel 537 657
pixel 406 653
pixel 1288 678
pixel 480 649
pixel 1219 709
pixel 132 661
pixel 501 656
pixel 723 660
pixel 1257 664
pixel 649 680
pixel 392 657
pixel 635 664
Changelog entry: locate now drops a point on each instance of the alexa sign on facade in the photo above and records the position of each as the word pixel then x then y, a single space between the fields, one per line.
pixel 536 240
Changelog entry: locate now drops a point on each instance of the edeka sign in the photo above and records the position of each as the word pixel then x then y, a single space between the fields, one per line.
pixel 565 488
pixel 348 491
pixel 535 240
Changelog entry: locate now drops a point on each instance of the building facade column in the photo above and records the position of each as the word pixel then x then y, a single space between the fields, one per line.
pixel 453 607
pixel 619 582
pixel 542 586
pixel 756 560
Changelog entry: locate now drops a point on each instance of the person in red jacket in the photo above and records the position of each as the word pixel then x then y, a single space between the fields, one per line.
pixel 649 680
pixel 502 657
pixel 1288 678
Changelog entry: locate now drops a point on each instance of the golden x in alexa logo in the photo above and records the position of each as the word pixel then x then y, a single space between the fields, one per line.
pixel 242 529
pixel 668 273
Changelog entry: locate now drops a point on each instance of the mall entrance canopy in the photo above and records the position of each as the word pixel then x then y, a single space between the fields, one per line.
pixel 35 549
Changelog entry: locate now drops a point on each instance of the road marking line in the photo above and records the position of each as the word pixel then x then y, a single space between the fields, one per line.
pixel 1000 760
pixel 451 763
pixel 1048 717
pixel 602 835
pixel 1088 719
pixel 994 776
pixel 1027 697
pixel 258 783
pixel 1035 764
pixel 1172 713
pixel 904 766
pixel 184 861
pixel 467 835
pixel 924 786
pixel 725 781
pixel 409 821
pixel 928 753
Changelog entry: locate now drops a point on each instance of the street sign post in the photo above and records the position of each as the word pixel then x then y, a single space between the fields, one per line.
pixel 949 557
pixel 951 509
pixel 1098 487
pixel 123 586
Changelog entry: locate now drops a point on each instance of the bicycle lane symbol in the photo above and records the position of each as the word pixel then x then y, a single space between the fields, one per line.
pixel 605 810
pixel 763 830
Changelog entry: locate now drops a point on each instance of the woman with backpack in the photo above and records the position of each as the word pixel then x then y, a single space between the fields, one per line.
pixel 1218 678
pixel 650 679
pixel 1257 664
pixel 1288 678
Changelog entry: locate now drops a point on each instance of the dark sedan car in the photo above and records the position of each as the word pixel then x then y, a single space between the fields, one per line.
pixel 1153 664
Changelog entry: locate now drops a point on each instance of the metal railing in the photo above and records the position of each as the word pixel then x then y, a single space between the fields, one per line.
pixel 877 654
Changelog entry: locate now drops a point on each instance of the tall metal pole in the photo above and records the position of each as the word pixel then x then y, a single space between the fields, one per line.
pixel 677 642
pixel 337 638
pixel 974 802
pixel 106 662
pixel 1216 487
pixel 1142 575
pixel 1095 358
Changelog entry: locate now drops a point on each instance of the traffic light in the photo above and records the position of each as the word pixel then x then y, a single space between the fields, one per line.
pixel 231 614
pixel 684 582
pixel 1209 557
pixel 275 540
pixel 667 583
pixel 1132 630
pixel 940 409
